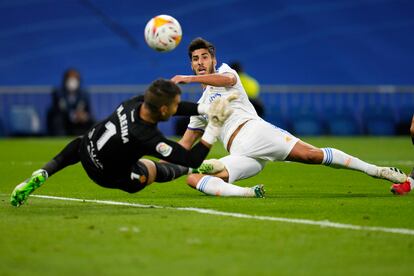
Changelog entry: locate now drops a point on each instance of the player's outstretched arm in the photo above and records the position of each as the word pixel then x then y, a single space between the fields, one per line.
pixel 217 79
pixel 190 137
pixel 190 109
pixel 186 108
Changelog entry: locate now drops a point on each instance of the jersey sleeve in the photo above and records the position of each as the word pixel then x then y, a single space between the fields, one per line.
pixel 186 109
pixel 236 88
pixel 224 68
pixel 171 151
pixel 198 122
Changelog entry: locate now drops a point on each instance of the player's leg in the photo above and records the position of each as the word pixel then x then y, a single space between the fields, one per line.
pixel 166 172
pixel 142 174
pixel 68 156
pixel 212 185
pixel 162 171
pixel 236 167
pixel 404 188
pixel 407 186
pixel 255 141
pixel 145 172
pixel 306 153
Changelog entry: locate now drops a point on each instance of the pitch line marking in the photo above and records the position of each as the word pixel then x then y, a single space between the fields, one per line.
pixel 324 223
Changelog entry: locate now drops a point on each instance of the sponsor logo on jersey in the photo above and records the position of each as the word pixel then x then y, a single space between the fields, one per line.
pixel 93 156
pixel 212 97
pixel 163 149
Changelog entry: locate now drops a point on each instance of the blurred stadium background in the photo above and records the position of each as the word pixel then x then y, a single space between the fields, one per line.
pixel 326 67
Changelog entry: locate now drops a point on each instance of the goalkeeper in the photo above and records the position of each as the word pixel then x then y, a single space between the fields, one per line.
pixel 110 152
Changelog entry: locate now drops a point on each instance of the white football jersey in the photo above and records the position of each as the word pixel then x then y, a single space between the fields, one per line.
pixel 243 109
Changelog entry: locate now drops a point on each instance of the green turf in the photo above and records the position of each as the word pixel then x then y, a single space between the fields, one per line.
pixel 49 237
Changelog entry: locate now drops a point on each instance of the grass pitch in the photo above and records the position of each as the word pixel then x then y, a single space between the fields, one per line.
pixel 52 237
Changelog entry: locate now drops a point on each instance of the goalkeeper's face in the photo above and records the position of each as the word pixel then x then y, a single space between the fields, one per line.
pixel 202 62
pixel 166 111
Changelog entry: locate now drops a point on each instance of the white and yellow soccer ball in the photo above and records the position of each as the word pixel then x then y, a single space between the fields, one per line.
pixel 163 33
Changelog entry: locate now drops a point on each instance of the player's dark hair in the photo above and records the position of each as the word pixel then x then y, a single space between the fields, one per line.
pixel 235 65
pixel 201 43
pixel 160 92
pixel 71 72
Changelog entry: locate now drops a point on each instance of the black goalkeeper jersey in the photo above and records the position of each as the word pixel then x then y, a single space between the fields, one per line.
pixel 112 146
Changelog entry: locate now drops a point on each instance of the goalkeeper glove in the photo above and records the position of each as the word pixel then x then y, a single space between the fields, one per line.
pixel 218 113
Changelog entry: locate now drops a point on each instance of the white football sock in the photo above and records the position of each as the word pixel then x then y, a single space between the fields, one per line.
pixel 212 185
pixel 338 159
pixel 411 180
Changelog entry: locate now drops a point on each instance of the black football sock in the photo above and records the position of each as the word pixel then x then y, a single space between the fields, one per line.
pixel 168 171
pixel 68 156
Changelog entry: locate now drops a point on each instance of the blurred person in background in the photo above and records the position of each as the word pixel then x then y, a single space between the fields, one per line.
pixel 70 113
pixel 412 129
pixel 407 186
pixel 251 86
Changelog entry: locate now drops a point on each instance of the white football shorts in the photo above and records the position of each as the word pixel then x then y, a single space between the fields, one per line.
pixel 256 143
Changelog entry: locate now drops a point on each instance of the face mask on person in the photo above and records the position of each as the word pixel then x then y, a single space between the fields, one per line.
pixel 72 84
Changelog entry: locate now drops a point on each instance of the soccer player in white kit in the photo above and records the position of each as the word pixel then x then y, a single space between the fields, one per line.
pixel 251 141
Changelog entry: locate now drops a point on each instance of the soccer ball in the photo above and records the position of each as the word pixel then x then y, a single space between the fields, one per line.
pixel 163 33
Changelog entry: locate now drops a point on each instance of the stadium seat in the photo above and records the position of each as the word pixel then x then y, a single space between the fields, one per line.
pixel 24 121
pixel 379 120
pixel 306 121
pixel 2 132
pixel 404 115
pixel 274 115
pixel 341 122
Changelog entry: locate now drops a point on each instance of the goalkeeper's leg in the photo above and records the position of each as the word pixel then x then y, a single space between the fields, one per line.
pixel 68 156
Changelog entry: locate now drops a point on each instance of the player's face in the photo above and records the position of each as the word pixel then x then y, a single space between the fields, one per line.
pixel 202 62
pixel 168 110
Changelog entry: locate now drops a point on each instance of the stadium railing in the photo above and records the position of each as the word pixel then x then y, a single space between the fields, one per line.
pixel 283 104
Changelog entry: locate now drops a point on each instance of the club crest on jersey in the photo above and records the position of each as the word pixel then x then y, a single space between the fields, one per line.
pixel 163 149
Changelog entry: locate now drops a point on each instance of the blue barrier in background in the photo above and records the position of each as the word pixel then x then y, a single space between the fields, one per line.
pixel 284 41
pixel 312 111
